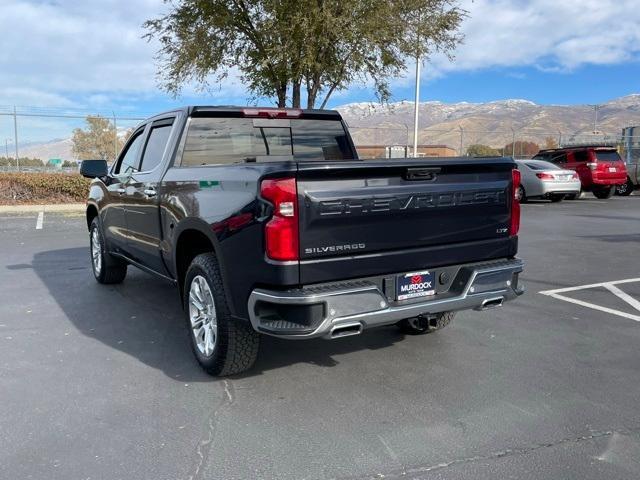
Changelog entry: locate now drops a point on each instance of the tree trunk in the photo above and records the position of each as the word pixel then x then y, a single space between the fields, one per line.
pixel 326 99
pixel 312 93
pixel 295 95
pixel 281 91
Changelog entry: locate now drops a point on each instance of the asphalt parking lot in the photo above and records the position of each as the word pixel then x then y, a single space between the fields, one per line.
pixel 99 383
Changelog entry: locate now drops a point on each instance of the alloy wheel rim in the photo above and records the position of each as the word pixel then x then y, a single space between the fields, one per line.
pixel 96 253
pixel 203 317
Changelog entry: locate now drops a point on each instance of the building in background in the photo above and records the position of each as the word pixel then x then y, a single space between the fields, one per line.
pixel 631 144
pixel 401 151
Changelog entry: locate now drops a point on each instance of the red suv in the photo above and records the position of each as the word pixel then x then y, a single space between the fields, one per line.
pixel 600 168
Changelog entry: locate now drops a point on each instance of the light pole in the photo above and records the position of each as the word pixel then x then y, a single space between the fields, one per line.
pixel 415 109
pixel 6 147
pixel 15 134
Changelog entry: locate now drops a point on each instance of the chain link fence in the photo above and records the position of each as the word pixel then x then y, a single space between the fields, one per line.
pixel 40 139
pixel 388 142
pixel 34 139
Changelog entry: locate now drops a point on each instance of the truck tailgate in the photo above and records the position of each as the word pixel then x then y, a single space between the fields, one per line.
pixel 403 214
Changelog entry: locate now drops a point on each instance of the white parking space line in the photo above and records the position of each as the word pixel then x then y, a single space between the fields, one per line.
pixel 610 286
pixel 593 285
pixel 623 296
pixel 39 221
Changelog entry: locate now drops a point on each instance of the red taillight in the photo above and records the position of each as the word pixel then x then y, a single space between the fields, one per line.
pixel 281 232
pixel 272 112
pixel 575 176
pixel 545 176
pixel 515 203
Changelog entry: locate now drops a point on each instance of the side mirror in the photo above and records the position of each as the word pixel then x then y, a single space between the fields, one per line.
pixel 94 168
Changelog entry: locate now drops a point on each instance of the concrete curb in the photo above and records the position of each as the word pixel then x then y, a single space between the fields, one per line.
pixel 63 207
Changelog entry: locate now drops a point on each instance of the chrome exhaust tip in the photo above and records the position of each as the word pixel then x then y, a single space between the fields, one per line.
pixel 345 330
pixel 492 303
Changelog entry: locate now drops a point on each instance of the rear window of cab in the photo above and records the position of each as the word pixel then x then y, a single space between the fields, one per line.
pixel 225 140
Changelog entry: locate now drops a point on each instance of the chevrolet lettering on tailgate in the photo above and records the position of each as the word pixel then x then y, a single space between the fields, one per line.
pixel 345 206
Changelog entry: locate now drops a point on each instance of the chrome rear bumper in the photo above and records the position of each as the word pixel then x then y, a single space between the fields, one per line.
pixel 347 310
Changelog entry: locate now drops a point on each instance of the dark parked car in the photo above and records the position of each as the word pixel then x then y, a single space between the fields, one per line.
pixel 600 168
pixel 268 223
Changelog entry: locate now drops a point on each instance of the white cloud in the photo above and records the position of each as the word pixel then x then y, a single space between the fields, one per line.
pixel 551 34
pixel 64 53
pixel 74 46
pixel 32 96
pixel 69 49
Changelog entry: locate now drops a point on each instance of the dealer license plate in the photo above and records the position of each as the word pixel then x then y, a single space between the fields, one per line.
pixel 613 169
pixel 416 284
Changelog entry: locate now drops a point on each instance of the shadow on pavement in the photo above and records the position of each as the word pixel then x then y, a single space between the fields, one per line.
pixel 142 317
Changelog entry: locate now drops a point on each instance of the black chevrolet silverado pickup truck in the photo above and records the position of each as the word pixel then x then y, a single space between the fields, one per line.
pixel 268 223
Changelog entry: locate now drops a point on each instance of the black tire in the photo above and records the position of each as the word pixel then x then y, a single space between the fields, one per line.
pixel 556 197
pixel 108 269
pixel 422 325
pixel 236 345
pixel 604 193
pixel 625 189
pixel 522 194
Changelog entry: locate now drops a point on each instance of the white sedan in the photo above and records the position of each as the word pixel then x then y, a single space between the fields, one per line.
pixel 540 179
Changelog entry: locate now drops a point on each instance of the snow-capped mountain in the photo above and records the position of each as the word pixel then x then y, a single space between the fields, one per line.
pixel 492 123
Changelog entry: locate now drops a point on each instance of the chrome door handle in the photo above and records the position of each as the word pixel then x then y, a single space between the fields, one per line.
pixel 121 190
pixel 150 192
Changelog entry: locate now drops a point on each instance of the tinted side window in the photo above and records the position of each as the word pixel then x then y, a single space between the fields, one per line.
pixel 558 159
pixel 129 162
pixel 156 145
pixel 581 156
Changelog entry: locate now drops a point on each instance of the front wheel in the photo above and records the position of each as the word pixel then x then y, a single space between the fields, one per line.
pixel 422 324
pixel 603 193
pixel 106 268
pixel 221 344
pixel 625 189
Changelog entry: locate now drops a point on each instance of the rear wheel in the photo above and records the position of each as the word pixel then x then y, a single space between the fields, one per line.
pixel 625 189
pixel 422 324
pixel 521 195
pixel 604 193
pixel 106 268
pixel 556 197
pixel 221 344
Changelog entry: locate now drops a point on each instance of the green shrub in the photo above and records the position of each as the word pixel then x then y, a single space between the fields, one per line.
pixel 42 188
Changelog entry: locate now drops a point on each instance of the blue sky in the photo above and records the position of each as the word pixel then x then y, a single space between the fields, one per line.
pixel 88 56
